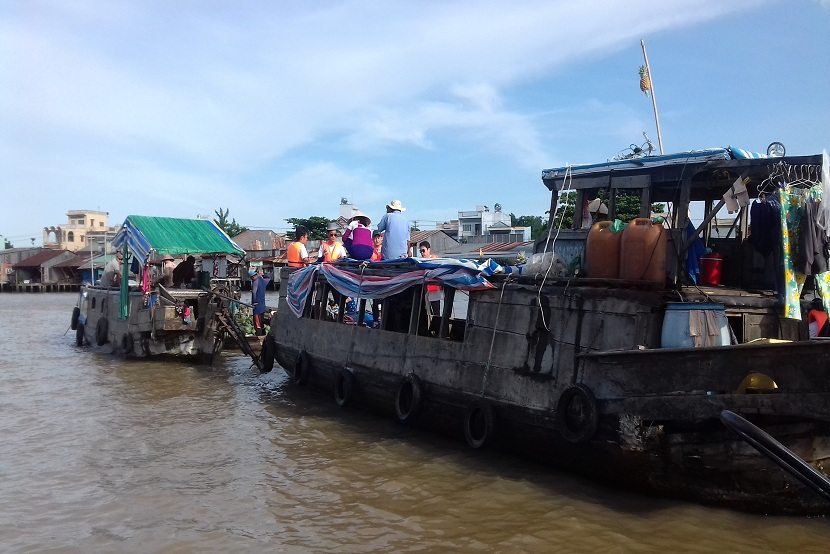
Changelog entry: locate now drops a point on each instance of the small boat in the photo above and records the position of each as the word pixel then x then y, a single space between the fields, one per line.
pixel 612 352
pixel 153 314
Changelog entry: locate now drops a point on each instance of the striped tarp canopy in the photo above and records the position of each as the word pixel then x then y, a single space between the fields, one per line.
pixel 458 274
pixel 176 237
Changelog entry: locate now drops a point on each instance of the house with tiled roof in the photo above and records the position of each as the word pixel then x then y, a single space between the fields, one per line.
pixel 39 268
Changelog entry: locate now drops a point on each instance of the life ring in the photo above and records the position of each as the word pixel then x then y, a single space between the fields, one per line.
pixel 266 356
pixel 76 313
pixel 479 423
pixel 101 330
pixel 79 335
pixel 343 387
pixel 127 344
pixel 408 399
pixel 302 369
pixel 577 416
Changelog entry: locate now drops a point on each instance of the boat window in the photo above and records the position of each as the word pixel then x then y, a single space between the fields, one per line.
pixel 93 302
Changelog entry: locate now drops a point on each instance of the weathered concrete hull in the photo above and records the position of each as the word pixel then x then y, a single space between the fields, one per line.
pixel 656 425
pixel 146 332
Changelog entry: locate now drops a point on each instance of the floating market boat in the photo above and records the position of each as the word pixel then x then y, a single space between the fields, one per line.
pixel 611 353
pixel 161 310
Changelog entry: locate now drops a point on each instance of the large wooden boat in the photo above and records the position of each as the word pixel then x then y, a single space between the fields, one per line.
pixel 141 316
pixel 598 374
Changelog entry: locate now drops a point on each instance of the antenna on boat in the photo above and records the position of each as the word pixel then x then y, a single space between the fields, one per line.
pixel 647 85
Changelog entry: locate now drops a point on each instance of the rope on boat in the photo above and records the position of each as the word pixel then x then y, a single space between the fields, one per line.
pixel 493 337
pixel 567 180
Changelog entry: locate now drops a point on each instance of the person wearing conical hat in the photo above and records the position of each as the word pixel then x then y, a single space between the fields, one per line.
pixel 357 238
pixel 330 249
pixel 396 231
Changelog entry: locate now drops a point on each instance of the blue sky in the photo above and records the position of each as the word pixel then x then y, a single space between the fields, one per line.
pixel 278 109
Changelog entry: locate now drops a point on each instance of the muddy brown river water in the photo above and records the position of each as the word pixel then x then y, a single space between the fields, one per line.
pixel 101 454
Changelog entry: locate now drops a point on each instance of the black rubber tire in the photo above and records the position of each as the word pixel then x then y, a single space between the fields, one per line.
pixel 76 313
pixel 577 416
pixel 343 387
pixel 479 424
pixel 266 356
pixel 145 344
pixel 408 399
pixel 302 369
pixel 79 335
pixel 127 344
pixel 101 331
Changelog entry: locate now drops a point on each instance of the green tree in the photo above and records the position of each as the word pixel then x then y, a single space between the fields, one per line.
pixel 536 223
pixel 232 228
pixel 316 226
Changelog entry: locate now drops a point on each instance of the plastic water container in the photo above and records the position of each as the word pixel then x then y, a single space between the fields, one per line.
pixel 602 251
pixel 643 252
pixel 676 332
pixel 710 269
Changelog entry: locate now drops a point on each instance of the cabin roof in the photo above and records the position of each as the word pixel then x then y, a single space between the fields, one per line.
pixel 173 236
pixel 713 168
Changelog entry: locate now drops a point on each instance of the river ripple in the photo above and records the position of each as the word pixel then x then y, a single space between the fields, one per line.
pixel 100 454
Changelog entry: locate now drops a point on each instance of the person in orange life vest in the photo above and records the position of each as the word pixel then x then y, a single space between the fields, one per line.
pixel 297 255
pixel 357 238
pixel 331 250
pixel 433 290
pixel 377 243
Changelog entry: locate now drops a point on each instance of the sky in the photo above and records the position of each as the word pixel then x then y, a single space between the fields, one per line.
pixel 279 109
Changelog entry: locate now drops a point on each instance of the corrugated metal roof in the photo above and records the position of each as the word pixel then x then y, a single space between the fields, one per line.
pixel 174 236
pixel 82 260
pixel 38 259
pixel 267 239
pixel 418 236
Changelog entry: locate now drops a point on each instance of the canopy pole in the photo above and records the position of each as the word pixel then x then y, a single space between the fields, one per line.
pixel 653 98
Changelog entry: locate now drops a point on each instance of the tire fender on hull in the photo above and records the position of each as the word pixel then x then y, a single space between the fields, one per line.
pixel 479 423
pixel 76 313
pixel 344 384
pixel 79 334
pixel 577 417
pixel 266 356
pixel 127 344
pixel 409 398
pixel 302 369
pixel 101 331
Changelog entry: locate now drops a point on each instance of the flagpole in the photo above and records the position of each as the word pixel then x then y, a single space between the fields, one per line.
pixel 653 99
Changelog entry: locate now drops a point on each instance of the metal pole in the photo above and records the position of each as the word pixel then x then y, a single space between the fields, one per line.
pixel 653 98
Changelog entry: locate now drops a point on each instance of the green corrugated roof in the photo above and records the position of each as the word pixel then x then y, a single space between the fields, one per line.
pixel 168 235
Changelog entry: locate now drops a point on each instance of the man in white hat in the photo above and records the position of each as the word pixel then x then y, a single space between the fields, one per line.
pixel 330 249
pixel 395 229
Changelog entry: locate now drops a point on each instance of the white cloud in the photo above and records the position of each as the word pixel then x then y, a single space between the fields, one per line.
pixel 161 95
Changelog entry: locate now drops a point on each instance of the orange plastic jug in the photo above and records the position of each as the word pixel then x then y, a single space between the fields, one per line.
pixel 602 251
pixel 643 252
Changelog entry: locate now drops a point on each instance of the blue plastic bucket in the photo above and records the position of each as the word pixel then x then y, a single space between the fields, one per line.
pixel 676 330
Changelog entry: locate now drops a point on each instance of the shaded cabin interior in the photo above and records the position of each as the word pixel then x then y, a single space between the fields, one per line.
pixel 692 188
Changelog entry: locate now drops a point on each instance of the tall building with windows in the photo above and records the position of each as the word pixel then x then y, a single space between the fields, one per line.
pixel 82 229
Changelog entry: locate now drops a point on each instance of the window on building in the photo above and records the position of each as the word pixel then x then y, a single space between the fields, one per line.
pixel 100 224
pixel 92 223
pixel 81 239
pixel 468 227
pixel 70 236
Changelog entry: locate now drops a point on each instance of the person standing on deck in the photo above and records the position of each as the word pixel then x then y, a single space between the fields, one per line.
pixel 112 272
pixel 396 231
pixel 258 285
pixel 331 250
pixel 358 237
pixel 433 291
pixel 297 255
pixel 377 242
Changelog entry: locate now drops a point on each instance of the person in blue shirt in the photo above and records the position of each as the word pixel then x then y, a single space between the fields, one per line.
pixel 258 285
pixel 395 229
